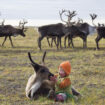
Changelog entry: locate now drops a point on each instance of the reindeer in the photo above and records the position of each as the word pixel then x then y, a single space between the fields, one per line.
pixel 8 31
pixel 72 30
pixel 39 83
pixel 79 29
pixel 52 30
pixel 100 30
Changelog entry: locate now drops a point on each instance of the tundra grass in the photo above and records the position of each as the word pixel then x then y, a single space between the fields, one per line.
pixel 87 74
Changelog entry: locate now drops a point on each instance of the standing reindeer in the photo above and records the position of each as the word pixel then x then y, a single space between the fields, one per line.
pixel 72 30
pixel 8 31
pixel 52 30
pixel 100 30
pixel 39 83
pixel 79 29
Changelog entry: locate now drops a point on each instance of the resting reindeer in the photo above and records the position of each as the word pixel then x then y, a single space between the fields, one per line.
pixel 39 83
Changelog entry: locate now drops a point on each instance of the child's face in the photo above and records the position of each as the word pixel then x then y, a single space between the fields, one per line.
pixel 62 72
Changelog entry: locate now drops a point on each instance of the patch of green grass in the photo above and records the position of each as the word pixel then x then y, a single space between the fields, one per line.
pixel 87 74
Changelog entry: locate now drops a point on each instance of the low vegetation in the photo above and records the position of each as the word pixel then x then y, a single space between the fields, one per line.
pixel 87 76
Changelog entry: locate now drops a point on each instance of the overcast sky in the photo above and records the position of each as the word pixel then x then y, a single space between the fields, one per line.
pixel 49 9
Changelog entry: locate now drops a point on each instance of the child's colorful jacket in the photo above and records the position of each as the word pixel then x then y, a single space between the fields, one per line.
pixel 63 85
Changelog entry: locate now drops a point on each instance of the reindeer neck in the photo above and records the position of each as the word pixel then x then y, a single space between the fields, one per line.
pixel 17 32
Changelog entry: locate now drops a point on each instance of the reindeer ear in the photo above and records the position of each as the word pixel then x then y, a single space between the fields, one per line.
pixel 35 65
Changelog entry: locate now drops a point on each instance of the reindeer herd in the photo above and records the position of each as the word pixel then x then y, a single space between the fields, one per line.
pixel 69 30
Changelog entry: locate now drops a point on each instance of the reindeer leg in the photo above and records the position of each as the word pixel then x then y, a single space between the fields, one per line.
pixel 48 41
pixel 4 40
pixel 52 42
pixel 57 43
pixel 84 43
pixel 65 41
pixel 11 41
pixel 76 93
pixel 97 40
pixel 50 86
pixel 34 89
pixel 39 41
pixel 71 42
pixel 60 42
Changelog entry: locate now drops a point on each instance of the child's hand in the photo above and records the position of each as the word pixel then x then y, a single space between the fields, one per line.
pixel 53 78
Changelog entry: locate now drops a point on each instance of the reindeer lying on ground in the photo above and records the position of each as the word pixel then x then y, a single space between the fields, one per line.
pixel 39 83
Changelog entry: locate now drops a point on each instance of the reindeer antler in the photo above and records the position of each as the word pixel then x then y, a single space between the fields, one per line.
pixel 93 17
pixel 61 13
pixel 20 23
pixel 69 14
pixel 3 22
pixel 24 22
pixel 80 20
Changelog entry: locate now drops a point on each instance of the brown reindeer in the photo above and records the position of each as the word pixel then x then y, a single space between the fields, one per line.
pixel 100 30
pixel 39 83
pixel 9 31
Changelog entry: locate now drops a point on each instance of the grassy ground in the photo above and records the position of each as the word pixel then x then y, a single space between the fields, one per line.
pixel 88 69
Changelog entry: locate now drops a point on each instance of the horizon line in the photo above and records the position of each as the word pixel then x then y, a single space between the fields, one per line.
pixel 40 22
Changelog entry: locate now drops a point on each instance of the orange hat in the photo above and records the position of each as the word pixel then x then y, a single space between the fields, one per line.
pixel 66 66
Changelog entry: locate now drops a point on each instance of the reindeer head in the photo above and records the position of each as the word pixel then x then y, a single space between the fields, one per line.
pixel 42 72
pixel 22 30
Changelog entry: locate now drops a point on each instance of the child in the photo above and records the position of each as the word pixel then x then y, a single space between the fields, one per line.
pixel 62 82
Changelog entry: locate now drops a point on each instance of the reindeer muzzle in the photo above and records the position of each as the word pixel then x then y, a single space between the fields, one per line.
pixel 50 75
